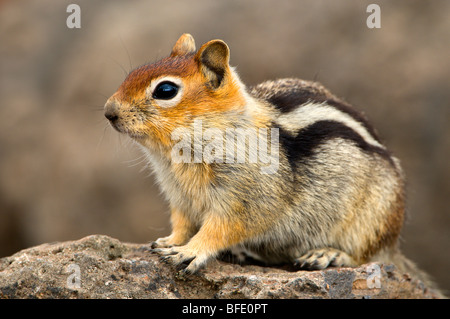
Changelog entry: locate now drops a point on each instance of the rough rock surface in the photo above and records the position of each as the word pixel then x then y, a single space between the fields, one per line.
pixel 102 267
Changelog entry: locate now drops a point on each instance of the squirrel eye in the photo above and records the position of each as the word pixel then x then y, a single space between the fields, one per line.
pixel 165 91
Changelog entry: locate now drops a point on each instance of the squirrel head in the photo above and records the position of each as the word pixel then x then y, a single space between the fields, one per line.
pixel 157 98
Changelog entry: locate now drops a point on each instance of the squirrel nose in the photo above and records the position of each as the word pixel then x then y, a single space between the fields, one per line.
pixel 111 111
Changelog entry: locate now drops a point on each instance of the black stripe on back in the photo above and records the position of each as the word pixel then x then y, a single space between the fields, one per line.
pixel 288 100
pixel 358 116
pixel 303 144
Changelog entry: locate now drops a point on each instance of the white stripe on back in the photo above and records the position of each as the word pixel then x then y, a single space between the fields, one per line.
pixel 310 113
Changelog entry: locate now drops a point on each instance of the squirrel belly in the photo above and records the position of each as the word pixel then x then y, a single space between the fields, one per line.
pixel 284 170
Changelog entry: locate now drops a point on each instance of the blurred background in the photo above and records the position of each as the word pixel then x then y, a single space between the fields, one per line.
pixel 65 174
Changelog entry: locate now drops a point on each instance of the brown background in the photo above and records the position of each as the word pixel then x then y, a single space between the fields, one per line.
pixel 64 173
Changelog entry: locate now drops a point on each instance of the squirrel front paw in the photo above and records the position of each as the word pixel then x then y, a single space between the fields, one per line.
pixel 163 242
pixel 215 236
pixel 183 258
pixel 169 241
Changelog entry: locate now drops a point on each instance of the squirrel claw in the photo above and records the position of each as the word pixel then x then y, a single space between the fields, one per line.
pixel 322 258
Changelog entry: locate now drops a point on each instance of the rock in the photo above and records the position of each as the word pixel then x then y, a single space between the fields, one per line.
pixel 102 267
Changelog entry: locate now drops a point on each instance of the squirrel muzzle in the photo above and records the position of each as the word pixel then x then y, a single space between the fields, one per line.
pixel 112 111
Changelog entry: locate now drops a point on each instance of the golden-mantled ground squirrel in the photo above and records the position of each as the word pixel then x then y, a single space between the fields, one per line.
pixel 285 171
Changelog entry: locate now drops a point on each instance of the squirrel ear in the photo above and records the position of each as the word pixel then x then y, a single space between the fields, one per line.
pixel 184 45
pixel 213 58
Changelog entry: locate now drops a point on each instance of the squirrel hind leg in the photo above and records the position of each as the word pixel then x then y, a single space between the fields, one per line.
pixel 318 259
